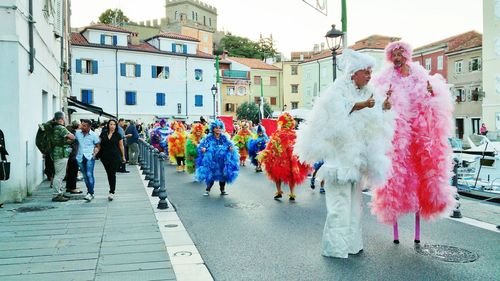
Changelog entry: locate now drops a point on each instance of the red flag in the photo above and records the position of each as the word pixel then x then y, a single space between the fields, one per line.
pixel 228 123
pixel 271 125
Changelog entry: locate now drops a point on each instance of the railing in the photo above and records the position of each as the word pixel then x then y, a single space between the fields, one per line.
pixel 238 74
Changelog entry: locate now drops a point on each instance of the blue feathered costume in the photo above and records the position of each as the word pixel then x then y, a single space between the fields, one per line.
pixel 257 144
pixel 220 161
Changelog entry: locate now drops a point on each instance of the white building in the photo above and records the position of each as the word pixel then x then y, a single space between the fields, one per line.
pixel 165 76
pixel 33 51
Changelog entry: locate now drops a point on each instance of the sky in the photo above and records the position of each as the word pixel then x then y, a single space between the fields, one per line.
pixel 295 26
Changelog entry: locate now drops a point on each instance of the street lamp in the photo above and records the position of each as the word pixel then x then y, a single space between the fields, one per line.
pixel 214 93
pixel 334 41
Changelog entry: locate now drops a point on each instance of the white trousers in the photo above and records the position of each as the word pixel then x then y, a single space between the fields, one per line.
pixel 342 234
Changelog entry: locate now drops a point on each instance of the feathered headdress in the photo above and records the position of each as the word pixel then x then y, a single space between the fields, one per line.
pixel 177 126
pixel 285 121
pixel 197 127
pixel 261 129
pixel 352 61
pixel 216 123
pixel 407 50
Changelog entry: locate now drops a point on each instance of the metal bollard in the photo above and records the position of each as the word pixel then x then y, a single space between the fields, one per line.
pixel 151 165
pixel 162 204
pixel 145 171
pixel 156 178
pixel 141 154
pixel 457 214
pixel 152 168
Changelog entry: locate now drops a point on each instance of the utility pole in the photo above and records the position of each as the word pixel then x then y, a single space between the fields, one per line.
pixel 344 23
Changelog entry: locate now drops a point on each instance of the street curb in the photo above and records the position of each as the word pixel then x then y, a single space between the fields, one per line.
pixel 186 261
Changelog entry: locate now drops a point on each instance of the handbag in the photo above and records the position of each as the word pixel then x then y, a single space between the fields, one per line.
pixel 4 170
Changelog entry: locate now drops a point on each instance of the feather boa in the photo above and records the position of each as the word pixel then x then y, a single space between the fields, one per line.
pixel 218 163
pixel 192 152
pixel 177 144
pixel 255 146
pixel 241 141
pixel 421 156
pixel 279 161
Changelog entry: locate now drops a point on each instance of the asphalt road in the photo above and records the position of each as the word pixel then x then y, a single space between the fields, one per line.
pixel 249 236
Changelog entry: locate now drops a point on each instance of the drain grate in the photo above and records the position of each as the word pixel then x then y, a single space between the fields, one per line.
pixel 242 205
pixel 447 253
pixel 32 209
pixel 171 225
pixel 183 254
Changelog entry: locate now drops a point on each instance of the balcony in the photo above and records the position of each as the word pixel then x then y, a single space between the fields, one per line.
pixel 236 74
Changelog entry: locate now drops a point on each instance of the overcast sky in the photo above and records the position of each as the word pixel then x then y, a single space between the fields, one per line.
pixel 297 27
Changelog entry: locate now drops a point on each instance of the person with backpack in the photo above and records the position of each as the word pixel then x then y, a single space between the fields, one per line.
pixel 52 140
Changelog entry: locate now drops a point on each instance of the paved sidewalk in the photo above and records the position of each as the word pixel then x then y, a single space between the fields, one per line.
pixel 75 240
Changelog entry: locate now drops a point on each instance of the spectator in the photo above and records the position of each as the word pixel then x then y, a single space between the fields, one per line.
pixel 132 143
pixel 112 153
pixel 72 167
pixel 88 147
pixel 121 131
pixel 483 131
pixel 60 153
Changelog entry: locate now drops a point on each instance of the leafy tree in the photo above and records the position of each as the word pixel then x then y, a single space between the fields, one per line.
pixel 266 48
pixel 245 48
pixel 250 111
pixel 113 16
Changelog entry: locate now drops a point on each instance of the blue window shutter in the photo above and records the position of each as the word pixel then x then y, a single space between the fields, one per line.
pixel 94 67
pixel 160 99
pixel 134 96
pixel 137 70
pixel 90 97
pixel 78 66
pixel 198 100
pixel 184 49
pixel 84 96
pixel 103 39
pixel 123 71
pixel 130 98
pixel 173 47
pixel 153 72
pixel 166 72
pixel 115 40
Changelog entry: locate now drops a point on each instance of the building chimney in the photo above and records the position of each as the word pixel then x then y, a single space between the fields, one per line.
pixel 322 46
pixel 155 23
pixel 134 39
pixel 316 48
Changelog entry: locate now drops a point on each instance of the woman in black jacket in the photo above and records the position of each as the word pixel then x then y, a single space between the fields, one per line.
pixel 112 153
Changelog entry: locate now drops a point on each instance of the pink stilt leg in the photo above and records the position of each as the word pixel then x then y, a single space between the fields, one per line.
pixel 396 233
pixel 417 227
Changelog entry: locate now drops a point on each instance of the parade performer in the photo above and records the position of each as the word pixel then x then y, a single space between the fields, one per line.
pixel 217 159
pixel 161 134
pixel 194 138
pixel 419 181
pixel 177 145
pixel 350 128
pixel 241 141
pixel 316 167
pixel 256 145
pixel 278 159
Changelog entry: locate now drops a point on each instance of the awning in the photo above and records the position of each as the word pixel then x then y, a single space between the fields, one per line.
pixel 90 108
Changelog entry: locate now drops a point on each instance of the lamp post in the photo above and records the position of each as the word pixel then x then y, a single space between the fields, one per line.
pixel 334 41
pixel 214 93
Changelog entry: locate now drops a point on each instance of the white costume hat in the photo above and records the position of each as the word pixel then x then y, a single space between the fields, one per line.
pixel 352 61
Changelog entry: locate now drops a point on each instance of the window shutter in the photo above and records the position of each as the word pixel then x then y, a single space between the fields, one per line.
pixel 78 66
pixel 84 96
pixel 137 70
pixel 123 70
pixel 115 40
pixel 166 72
pixel 94 67
pixel 470 66
pixel 90 96
pixel 184 49
pixel 134 96
pixel 153 72
pixel 103 38
pixel 173 47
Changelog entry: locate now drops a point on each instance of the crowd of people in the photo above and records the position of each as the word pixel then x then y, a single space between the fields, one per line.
pixel 389 134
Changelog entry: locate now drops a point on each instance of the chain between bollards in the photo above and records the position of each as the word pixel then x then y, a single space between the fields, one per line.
pixel 156 177
pixel 162 204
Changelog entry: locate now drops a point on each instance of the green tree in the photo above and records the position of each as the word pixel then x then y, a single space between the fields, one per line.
pixel 245 48
pixel 266 49
pixel 113 16
pixel 250 111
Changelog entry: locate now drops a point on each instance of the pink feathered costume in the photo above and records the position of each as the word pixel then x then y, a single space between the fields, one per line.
pixel 419 180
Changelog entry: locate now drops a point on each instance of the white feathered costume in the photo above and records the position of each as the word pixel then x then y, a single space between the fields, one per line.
pixel 353 147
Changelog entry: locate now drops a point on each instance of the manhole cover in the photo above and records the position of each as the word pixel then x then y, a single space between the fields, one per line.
pixel 447 253
pixel 183 254
pixel 171 225
pixel 242 205
pixel 33 209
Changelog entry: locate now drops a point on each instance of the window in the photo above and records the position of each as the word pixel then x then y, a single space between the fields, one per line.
pixel 440 63
pixel 295 88
pixel 475 93
pixel 87 96
pixel 111 40
pixel 192 14
pixel 179 108
pixel 210 21
pixel 179 48
pixel 273 81
pixel 428 63
pixel 176 16
pixel 86 66
pixel 198 100
pixel 475 125
pixel 458 66
pixel 256 80
pixel 242 91
pixel 459 95
pixel 162 72
pixel 230 107
pixel 130 70
pixel 295 69
pixel 295 104
pixel 160 99
pixel 230 91
pixel 204 20
pixel 273 101
pixel 130 98
pixel 475 64
pixel 196 16
pixel 198 75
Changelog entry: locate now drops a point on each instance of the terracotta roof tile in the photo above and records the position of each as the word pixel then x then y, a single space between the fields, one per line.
pixel 450 41
pixel 254 63
pixel 78 39
pixel 466 42
pixel 106 27
pixel 175 36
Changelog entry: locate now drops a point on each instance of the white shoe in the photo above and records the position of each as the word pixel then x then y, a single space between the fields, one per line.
pixel 89 197
pixel 206 193
pixel 110 196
